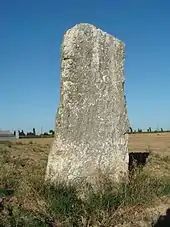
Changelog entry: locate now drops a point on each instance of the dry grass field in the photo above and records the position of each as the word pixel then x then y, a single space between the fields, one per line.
pixel 140 141
pixel 26 201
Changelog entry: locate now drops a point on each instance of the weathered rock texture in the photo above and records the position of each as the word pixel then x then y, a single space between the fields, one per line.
pixel 91 123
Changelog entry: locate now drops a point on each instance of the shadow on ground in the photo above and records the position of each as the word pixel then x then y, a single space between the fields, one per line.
pixel 137 159
pixel 164 220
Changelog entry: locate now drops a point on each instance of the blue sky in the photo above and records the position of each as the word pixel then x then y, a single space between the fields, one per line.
pixel 31 32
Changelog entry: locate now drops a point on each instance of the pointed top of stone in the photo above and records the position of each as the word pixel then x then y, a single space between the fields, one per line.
pixel 87 26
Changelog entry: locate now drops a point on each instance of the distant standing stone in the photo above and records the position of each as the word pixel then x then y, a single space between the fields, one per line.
pixel 91 123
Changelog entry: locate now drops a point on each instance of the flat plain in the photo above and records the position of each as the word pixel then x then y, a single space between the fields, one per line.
pixel 138 141
pixel 22 171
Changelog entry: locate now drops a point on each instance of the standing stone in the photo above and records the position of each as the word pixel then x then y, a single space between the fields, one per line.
pixel 91 122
